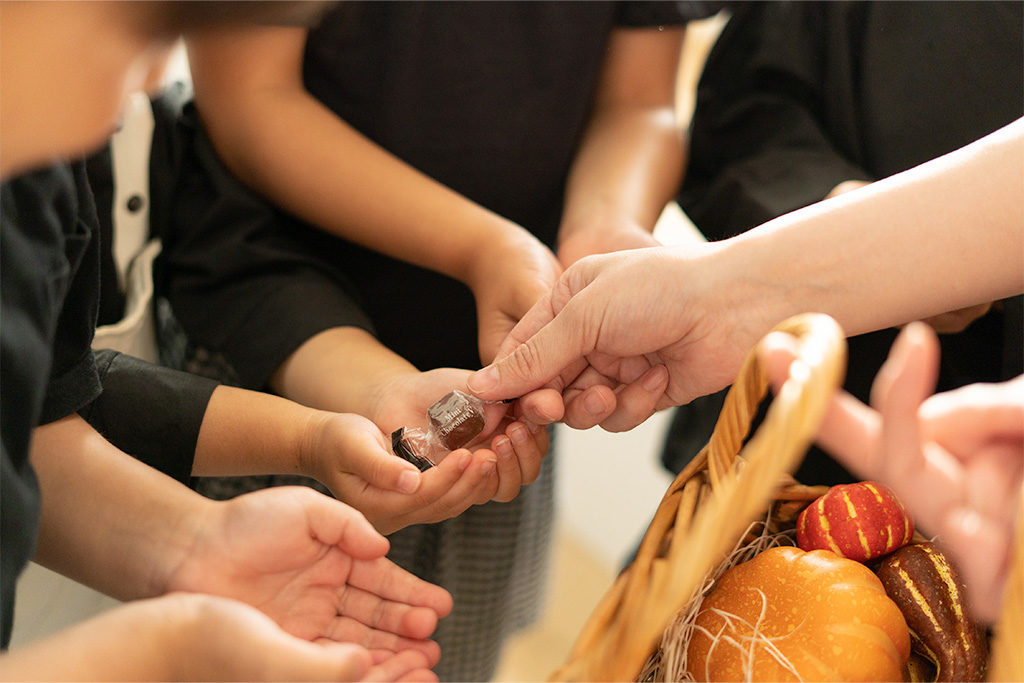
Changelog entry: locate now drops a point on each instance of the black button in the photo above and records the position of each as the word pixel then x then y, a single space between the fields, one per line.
pixel 135 203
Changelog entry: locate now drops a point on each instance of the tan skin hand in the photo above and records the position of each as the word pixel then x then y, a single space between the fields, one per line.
pixel 517 447
pixel 602 241
pixel 507 280
pixel 316 567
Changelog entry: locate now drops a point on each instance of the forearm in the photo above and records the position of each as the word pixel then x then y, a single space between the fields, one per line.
pixel 122 644
pixel 286 144
pixel 631 156
pixel 357 363
pixel 941 236
pixel 108 520
pixel 628 168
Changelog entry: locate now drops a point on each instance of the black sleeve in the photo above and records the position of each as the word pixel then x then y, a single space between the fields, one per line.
pixel 758 148
pixel 73 381
pixel 151 412
pixel 245 279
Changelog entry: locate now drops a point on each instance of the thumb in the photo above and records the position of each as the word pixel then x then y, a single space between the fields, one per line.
pixel 535 361
pixel 368 456
pixel 292 659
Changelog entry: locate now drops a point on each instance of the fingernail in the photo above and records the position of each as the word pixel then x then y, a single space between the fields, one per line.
pixel 519 434
pixel 408 481
pixel 593 404
pixel 483 380
pixel 488 467
pixel 655 377
pixel 503 447
pixel 465 459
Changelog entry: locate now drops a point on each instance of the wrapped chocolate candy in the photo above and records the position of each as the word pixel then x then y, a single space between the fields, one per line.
pixel 455 420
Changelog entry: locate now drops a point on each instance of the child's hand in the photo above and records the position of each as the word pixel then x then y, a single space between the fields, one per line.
pixel 956 459
pixel 312 564
pixel 517 446
pixel 509 276
pixel 193 637
pixel 353 458
pixel 580 243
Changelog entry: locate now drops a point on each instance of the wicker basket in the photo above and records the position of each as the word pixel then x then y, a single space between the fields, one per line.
pixel 715 505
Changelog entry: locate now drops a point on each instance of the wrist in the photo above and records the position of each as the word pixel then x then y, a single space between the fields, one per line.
pixel 488 247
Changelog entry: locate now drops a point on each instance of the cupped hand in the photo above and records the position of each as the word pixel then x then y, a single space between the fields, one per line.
pixel 508 277
pixel 645 327
pixel 221 639
pixel 195 637
pixel 955 459
pixel 514 445
pixel 315 566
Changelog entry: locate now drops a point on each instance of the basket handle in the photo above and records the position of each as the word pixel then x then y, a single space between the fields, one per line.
pixel 627 625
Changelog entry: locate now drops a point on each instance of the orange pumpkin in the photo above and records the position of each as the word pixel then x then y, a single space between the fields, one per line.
pixel 789 615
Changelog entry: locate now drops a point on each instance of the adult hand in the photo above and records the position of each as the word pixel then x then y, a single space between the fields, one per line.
pixel 315 566
pixel 509 275
pixel 620 324
pixel 192 637
pixel 955 459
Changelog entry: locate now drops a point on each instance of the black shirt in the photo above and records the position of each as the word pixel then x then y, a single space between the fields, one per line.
pixel 49 293
pixel 488 98
pixel 797 97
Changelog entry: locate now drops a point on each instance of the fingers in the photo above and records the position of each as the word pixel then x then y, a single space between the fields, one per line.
pixel 387 580
pixel 849 430
pixel 541 407
pixel 966 418
pixel 520 452
pixel 903 383
pixel 398 618
pixel 345 629
pixel 510 478
pixel 638 401
pixel 367 456
pixel 548 343
pixel 980 549
pixel 335 523
pixel 589 407
pixel 401 666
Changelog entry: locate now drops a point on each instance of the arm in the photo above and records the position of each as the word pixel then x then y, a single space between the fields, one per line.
pixel 369 379
pixel 121 527
pixel 630 159
pixel 944 235
pixel 276 136
pixel 191 637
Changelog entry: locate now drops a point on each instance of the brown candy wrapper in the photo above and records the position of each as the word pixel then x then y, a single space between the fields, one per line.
pixel 455 420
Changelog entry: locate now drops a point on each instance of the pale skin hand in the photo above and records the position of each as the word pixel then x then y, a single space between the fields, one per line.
pixel 698 312
pixel 950 322
pixel 191 637
pixel 956 459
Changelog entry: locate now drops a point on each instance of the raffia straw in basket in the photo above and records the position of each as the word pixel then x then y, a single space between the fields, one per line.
pixel 711 504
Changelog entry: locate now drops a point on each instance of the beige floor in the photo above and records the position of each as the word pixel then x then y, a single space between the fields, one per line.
pixel 578 580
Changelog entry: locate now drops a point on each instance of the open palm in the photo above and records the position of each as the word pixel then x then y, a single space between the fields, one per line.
pixel 316 567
